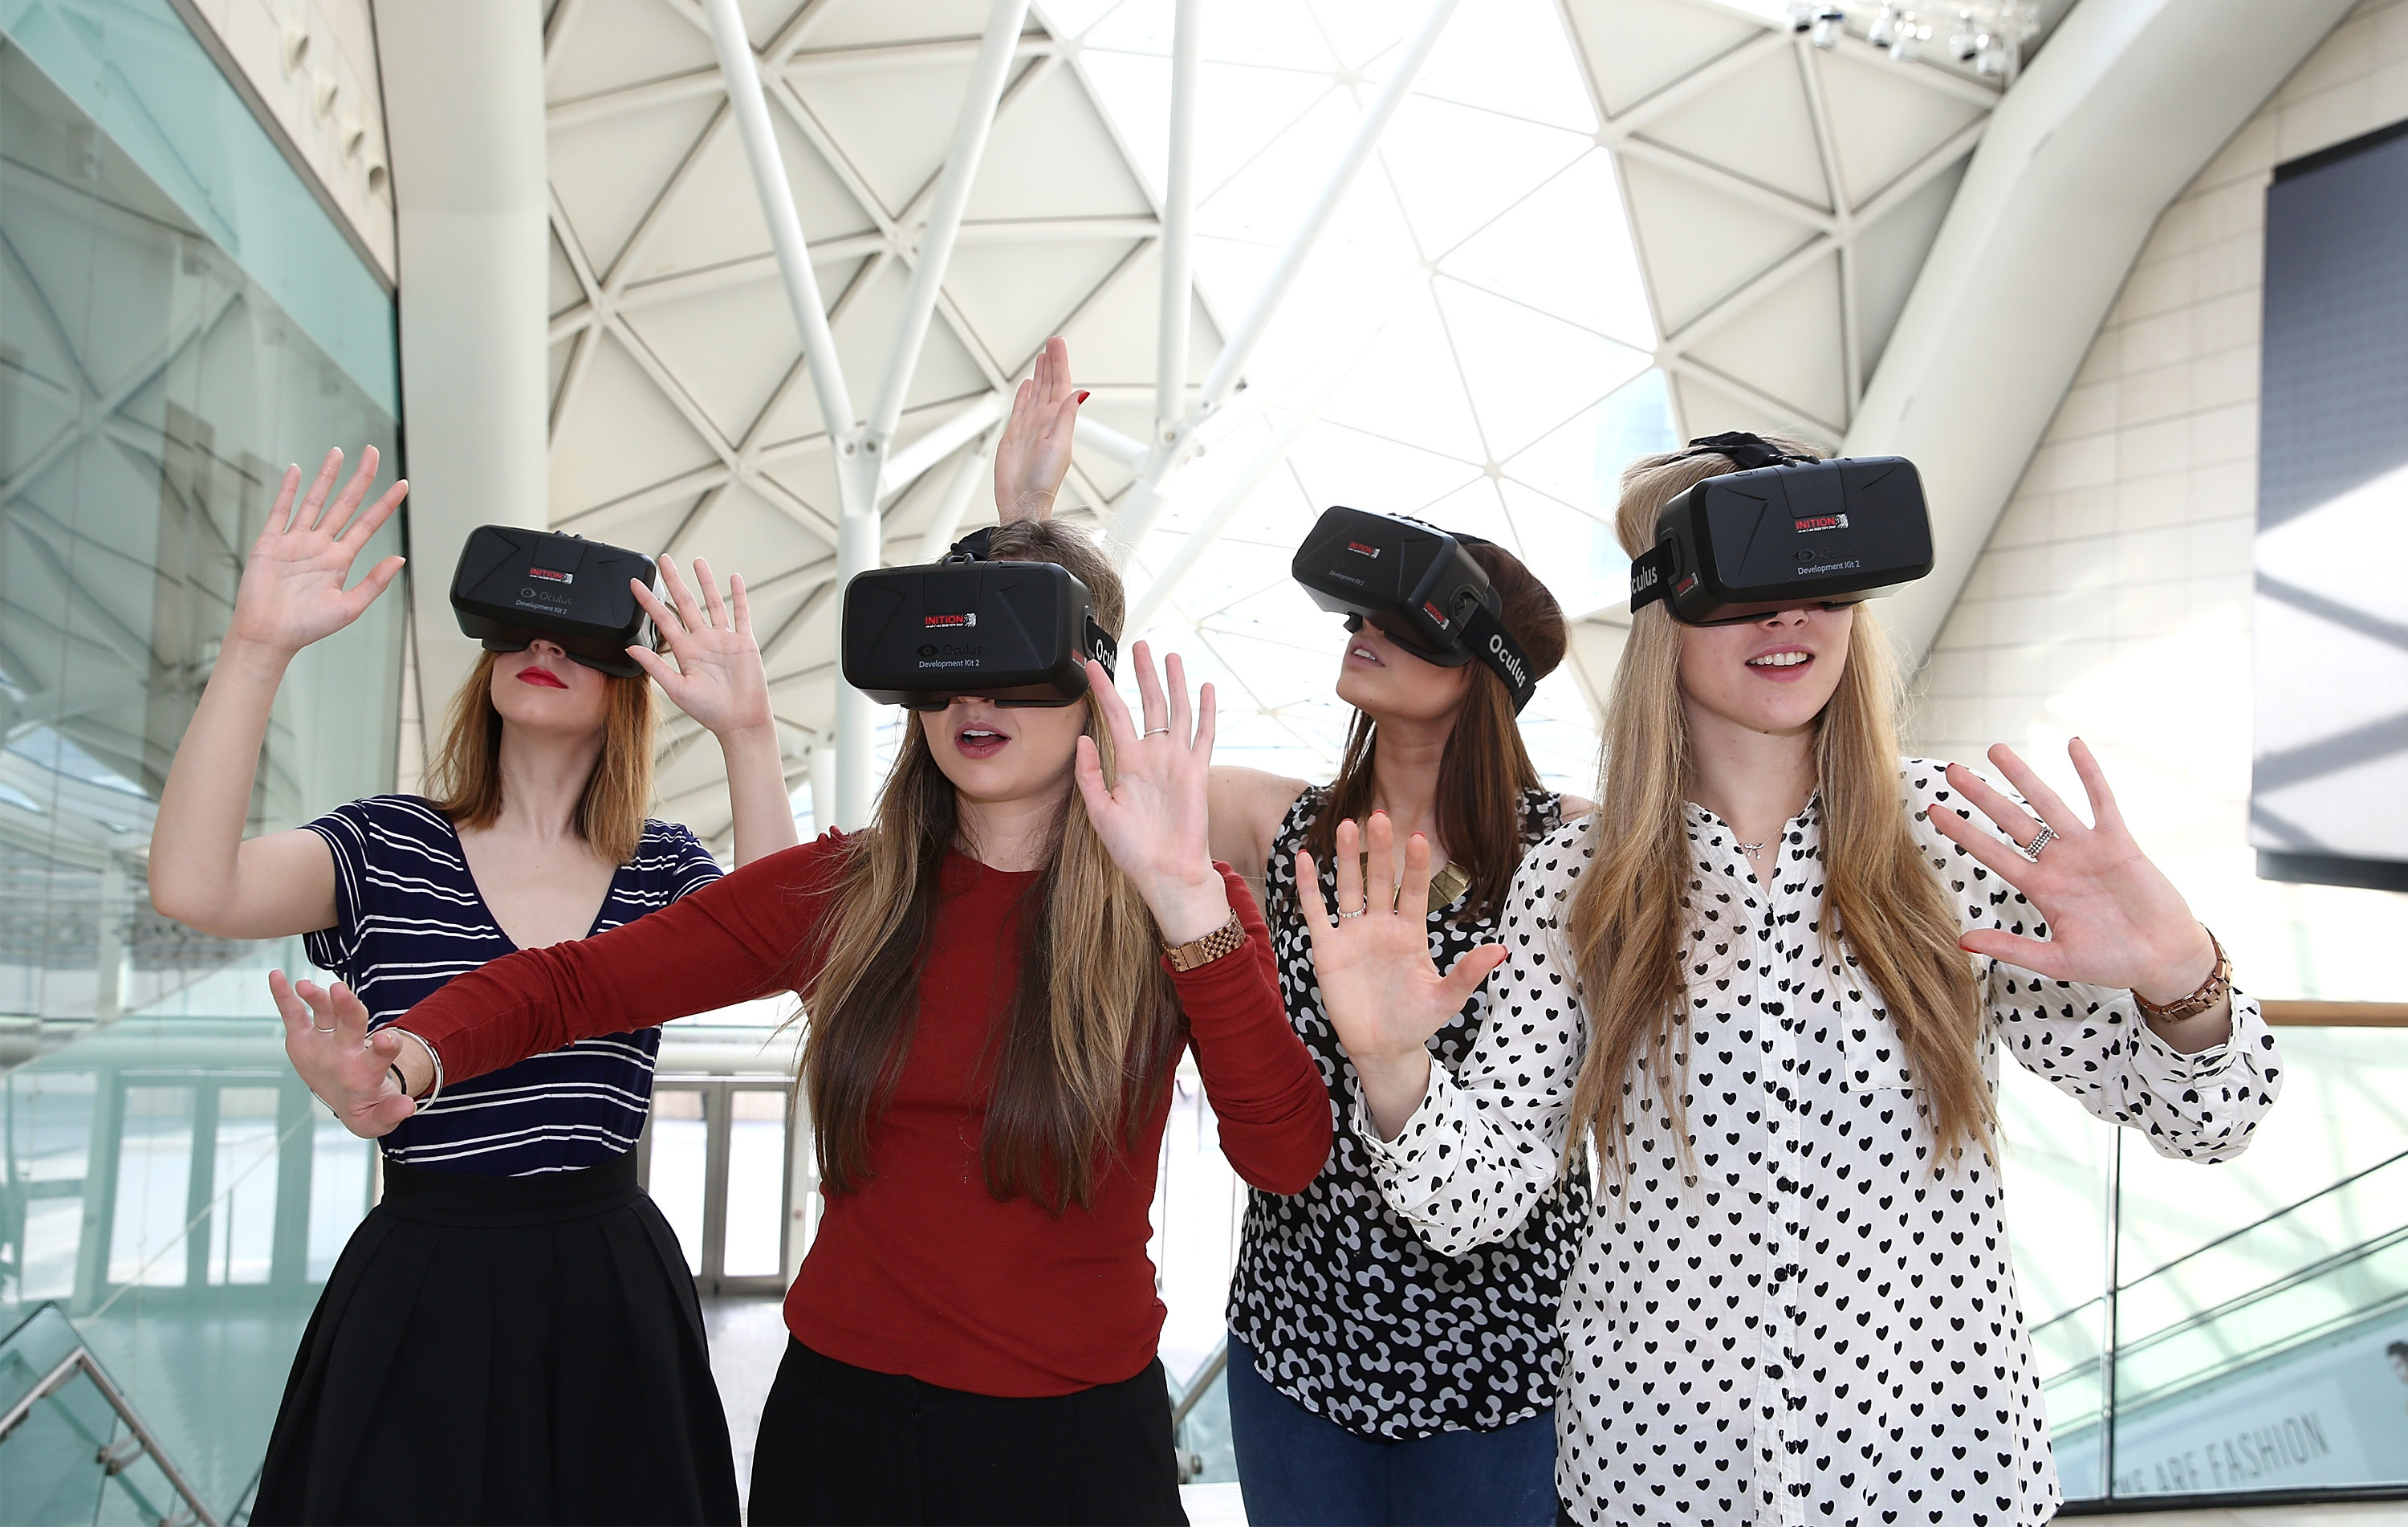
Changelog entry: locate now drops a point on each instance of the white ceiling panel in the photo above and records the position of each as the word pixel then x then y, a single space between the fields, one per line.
pixel 1594 227
pixel 1771 142
pixel 1636 48
pixel 1699 244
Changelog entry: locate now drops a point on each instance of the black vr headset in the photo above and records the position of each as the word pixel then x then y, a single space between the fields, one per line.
pixel 1016 633
pixel 514 585
pixel 1782 532
pixel 1418 586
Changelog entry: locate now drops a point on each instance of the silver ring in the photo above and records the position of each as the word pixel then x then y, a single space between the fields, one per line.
pixel 2040 840
pixel 1356 912
pixel 1153 731
pixel 315 1029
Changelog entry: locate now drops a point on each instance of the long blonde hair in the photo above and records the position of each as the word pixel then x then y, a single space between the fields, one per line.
pixel 464 781
pixel 1886 916
pixel 1094 1027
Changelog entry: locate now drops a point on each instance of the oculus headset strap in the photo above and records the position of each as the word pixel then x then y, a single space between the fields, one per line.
pixel 973 548
pixel 1651 572
pixel 1494 645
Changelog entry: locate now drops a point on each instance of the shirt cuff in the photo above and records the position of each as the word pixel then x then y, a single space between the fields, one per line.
pixel 1430 1122
pixel 2162 1062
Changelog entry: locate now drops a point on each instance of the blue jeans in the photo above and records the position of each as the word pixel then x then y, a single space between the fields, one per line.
pixel 1298 1469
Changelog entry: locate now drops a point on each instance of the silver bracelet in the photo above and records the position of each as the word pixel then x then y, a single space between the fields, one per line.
pixel 434 1057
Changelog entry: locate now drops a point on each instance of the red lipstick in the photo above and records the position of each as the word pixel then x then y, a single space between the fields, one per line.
pixel 541 677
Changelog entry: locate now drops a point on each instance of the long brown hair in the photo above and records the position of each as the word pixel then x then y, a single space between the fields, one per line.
pixel 464 781
pixel 1888 918
pixel 1485 768
pixel 1094 1027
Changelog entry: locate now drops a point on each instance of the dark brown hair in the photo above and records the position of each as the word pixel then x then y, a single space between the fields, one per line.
pixel 1484 769
pixel 465 783
pixel 1087 1044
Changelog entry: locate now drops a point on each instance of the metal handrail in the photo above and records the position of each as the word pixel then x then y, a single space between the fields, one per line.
pixel 1206 1372
pixel 114 1462
pixel 2205 1247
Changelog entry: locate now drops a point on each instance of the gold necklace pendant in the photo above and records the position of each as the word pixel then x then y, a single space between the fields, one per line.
pixel 1447 884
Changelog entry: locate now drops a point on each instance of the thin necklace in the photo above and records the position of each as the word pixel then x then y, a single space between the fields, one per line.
pixel 1750 848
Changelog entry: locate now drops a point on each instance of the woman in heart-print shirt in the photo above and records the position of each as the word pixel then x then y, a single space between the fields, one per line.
pixel 1769 981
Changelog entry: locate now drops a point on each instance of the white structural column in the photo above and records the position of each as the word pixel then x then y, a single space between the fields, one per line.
pixel 1178 225
pixel 861 448
pixel 2121 109
pixel 464 111
pixel 856 548
pixel 1142 506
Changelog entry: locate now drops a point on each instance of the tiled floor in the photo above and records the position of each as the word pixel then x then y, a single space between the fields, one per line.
pixel 748 1337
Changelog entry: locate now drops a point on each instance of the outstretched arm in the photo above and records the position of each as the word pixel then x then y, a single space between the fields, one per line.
pixel 718 680
pixel 203 872
pixel 749 934
pixel 2077 934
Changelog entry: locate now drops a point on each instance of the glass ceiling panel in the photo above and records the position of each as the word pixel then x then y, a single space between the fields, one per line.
pixel 1474 317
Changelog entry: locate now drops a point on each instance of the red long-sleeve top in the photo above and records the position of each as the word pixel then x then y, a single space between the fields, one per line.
pixel 920 1270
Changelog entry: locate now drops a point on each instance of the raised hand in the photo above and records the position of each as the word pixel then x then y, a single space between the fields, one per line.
pixel 2115 919
pixel 292 591
pixel 718 679
pixel 1383 995
pixel 327 1040
pixel 1151 815
pixel 1033 454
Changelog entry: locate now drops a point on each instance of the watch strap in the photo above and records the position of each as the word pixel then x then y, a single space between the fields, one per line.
pixel 1211 947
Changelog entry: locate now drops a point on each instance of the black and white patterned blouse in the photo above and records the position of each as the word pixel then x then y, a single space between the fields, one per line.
pixel 408 918
pixel 1811 1328
pixel 1350 1312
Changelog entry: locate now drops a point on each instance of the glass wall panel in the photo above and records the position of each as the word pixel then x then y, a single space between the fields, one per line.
pixel 677 1167
pixel 178 321
pixel 2261 1320
pixel 151 395
pixel 756 1183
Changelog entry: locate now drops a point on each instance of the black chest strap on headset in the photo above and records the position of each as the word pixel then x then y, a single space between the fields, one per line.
pixel 1494 645
pixel 1485 638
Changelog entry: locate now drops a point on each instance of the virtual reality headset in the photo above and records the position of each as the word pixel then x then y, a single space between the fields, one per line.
pixel 1419 585
pixel 513 585
pixel 1784 532
pixel 1015 633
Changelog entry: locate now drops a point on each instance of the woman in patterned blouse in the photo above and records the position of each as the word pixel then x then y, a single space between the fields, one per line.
pixel 1373 1376
pixel 1745 983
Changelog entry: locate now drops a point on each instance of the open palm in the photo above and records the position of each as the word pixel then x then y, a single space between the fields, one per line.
pixel 1032 456
pixel 718 678
pixel 2115 919
pixel 1383 995
pixel 292 591
pixel 1151 813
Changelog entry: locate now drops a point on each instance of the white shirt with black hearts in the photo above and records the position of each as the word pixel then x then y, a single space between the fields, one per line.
pixel 1813 1326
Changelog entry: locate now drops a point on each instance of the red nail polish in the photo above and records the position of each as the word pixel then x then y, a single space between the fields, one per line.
pixel 1083 397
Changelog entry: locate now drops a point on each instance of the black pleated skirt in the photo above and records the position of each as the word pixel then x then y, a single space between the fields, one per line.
pixel 504 1349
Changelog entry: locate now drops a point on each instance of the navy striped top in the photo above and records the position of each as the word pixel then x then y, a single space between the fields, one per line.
pixel 408 918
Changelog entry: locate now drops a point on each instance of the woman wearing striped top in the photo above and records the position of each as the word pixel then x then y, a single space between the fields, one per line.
pixel 515 1305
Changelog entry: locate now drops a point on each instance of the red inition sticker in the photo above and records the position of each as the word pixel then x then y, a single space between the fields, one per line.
pixel 949 620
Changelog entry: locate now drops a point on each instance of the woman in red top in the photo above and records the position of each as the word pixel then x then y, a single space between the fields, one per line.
pixel 999 987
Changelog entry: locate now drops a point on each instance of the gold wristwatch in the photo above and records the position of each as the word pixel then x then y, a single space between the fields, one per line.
pixel 1211 947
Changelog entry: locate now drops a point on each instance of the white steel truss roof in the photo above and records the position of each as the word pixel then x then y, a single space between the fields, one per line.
pixel 1594 227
